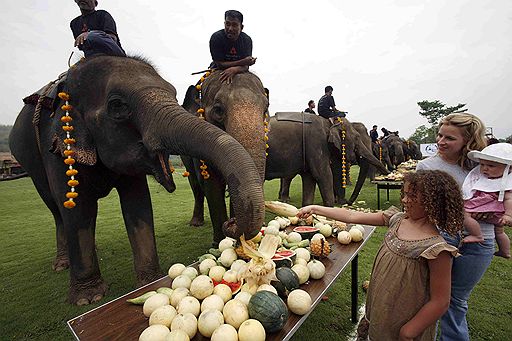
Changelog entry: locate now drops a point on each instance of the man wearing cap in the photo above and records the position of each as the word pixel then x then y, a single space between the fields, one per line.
pixel 95 31
pixel 231 49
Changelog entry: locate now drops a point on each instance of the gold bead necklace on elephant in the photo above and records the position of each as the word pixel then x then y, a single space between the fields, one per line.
pixel 69 160
pixel 343 155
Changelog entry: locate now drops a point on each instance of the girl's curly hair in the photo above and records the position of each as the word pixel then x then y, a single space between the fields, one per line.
pixel 441 198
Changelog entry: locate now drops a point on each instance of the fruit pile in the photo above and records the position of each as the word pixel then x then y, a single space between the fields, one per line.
pixel 244 289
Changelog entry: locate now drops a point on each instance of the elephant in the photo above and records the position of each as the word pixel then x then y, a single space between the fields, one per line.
pixel 380 150
pixel 239 109
pixel 395 147
pixel 126 122
pixel 317 156
pixel 412 150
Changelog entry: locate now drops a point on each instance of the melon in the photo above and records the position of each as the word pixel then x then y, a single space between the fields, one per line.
pixel 163 315
pixel 216 272
pixel 316 269
pixel 303 253
pixel 189 304
pixel 235 313
pixel 190 272
pixel 287 280
pixel 302 272
pixel 154 302
pixel 226 243
pixel 182 281
pixel 251 330
pixel 224 291
pixel 356 234
pixel 212 302
pixel 177 295
pixel 206 265
pixel 208 321
pixel 225 332
pixel 156 332
pixel 227 257
pixel 243 296
pixel 306 232
pixel 267 287
pixel 299 302
pixel 186 322
pixel 201 287
pixel 177 335
pixel 344 237
pixel 269 310
pixel 175 270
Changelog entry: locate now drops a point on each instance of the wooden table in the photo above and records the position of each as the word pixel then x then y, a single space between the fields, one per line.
pixel 119 320
pixel 387 185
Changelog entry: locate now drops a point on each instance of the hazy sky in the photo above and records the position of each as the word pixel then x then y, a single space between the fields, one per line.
pixel 381 56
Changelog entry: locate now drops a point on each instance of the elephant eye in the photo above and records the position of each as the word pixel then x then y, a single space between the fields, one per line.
pixel 118 109
pixel 217 114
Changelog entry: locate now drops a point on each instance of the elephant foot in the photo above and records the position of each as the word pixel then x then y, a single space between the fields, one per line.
pixel 195 221
pixel 342 201
pixel 60 263
pixel 84 294
pixel 146 277
pixel 284 199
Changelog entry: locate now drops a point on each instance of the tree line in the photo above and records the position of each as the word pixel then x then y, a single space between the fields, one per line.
pixel 4 138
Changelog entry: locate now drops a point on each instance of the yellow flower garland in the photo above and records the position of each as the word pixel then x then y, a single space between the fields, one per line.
pixel 343 155
pixel 200 112
pixel 69 160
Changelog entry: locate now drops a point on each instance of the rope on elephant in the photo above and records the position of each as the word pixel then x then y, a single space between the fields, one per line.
pixel 200 112
pixel 343 155
pixel 37 112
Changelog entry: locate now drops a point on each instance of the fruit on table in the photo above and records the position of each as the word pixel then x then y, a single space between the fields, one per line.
pixel 206 265
pixel 162 315
pixel 190 272
pixel 359 227
pixel 201 287
pixel 240 249
pixel 189 304
pixel 142 298
pixel 177 335
pixel 281 208
pixel 356 235
pixel 267 287
pixel 243 296
pixel 212 302
pixel 235 313
pixel 177 295
pixel 326 230
pixel 302 272
pixel 344 237
pixel 224 291
pixel 287 280
pixel 272 227
pixel 269 309
pixel 227 257
pixel 154 302
pixel 225 332
pixel 216 273
pixel 165 290
pixel 251 330
pixel 306 232
pixel 299 302
pixel 156 332
pixel 237 265
pixel 182 281
pixel 294 237
pixel 208 321
pixel 320 248
pixel 303 253
pixel 227 243
pixel 186 322
pixel 175 270
pixel 316 269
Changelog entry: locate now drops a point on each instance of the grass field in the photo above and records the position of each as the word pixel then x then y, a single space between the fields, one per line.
pixel 33 296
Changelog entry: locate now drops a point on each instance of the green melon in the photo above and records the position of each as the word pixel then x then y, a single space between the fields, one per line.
pixel 287 281
pixel 269 309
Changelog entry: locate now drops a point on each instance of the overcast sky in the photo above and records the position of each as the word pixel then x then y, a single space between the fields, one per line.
pixel 381 56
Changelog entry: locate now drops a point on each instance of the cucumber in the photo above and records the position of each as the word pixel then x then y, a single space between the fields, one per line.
pixel 142 298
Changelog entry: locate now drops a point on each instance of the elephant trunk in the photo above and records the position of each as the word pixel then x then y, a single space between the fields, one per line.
pixel 246 125
pixel 366 154
pixel 172 129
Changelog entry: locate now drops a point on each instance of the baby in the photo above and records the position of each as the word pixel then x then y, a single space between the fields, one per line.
pixel 487 190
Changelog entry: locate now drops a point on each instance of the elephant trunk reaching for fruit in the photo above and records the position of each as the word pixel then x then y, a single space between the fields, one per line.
pixel 172 133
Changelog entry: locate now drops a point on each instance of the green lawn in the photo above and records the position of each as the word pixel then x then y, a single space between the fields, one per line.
pixel 34 306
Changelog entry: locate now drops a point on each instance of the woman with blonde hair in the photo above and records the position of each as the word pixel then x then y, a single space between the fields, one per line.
pixel 460 133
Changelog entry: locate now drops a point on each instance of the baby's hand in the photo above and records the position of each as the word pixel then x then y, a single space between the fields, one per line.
pixel 305 211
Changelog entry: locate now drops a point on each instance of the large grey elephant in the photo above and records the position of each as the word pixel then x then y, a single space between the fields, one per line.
pixel 395 147
pixel 126 121
pixel 411 150
pixel 314 150
pixel 240 109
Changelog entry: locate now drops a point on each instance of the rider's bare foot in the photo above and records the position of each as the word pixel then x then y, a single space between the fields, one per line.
pixel 473 239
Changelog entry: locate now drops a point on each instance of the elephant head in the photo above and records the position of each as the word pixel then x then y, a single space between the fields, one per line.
pixel 395 148
pixel 411 150
pixel 357 151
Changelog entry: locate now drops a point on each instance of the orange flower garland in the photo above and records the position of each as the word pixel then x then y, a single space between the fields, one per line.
pixel 173 170
pixel 343 155
pixel 200 112
pixel 69 160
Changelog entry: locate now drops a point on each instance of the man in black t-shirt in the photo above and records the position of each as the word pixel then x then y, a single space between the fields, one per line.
pixel 231 49
pixel 311 106
pixel 326 105
pixel 374 134
pixel 95 31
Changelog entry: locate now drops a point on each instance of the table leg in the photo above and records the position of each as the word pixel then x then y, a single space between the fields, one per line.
pixel 355 286
pixel 387 192
pixel 378 197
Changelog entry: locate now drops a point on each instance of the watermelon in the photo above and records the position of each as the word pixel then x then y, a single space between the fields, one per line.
pixel 269 309
pixel 306 232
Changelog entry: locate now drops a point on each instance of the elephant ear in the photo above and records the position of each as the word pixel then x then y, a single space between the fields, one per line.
pixel 191 102
pixel 335 135
pixel 85 152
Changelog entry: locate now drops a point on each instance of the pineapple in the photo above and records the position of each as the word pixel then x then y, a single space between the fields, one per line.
pixel 320 248
pixel 240 250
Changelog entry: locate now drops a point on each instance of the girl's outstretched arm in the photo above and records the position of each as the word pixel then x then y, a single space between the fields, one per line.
pixel 342 214
pixel 440 286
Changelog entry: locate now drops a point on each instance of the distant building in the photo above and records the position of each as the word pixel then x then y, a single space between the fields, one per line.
pixel 8 165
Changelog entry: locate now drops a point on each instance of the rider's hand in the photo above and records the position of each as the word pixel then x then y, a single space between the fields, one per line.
pixel 79 41
pixel 227 74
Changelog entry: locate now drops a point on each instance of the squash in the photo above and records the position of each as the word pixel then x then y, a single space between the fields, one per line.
pixel 230 276
pixel 177 335
pixel 300 261
pixel 154 302
pixel 235 313
pixel 156 332
pixel 186 322
pixel 269 309
pixel 359 227
pixel 294 237
pixel 251 330
pixel 225 332
pixel 163 315
pixel 316 269
pixel 212 302
pixel 326 230
pixel 208 321
pixel 302 272
pixel 303 253
pixel 344 237
pixel 175 270
pixel 287 280
pixel 356 234
pixel 299 302
pixel 237 265
pixel 201 287
pixel 189 304
pixel 317 236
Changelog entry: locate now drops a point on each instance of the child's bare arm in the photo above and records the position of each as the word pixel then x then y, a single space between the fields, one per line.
pixel 440 286
pixel 342 214
pixel 507 202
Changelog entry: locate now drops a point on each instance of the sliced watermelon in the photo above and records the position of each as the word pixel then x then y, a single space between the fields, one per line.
pixel 300 229
pixel 234 286
pixel 285 253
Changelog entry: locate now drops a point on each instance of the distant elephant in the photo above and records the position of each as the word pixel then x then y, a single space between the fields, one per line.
pixel 412 150
pixel 380 150
pixel 126 123
pixel 395 148
pixel 238 108
pixel 314 151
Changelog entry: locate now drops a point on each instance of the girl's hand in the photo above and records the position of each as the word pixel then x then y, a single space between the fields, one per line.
pixel 403 335
pixel 306 211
